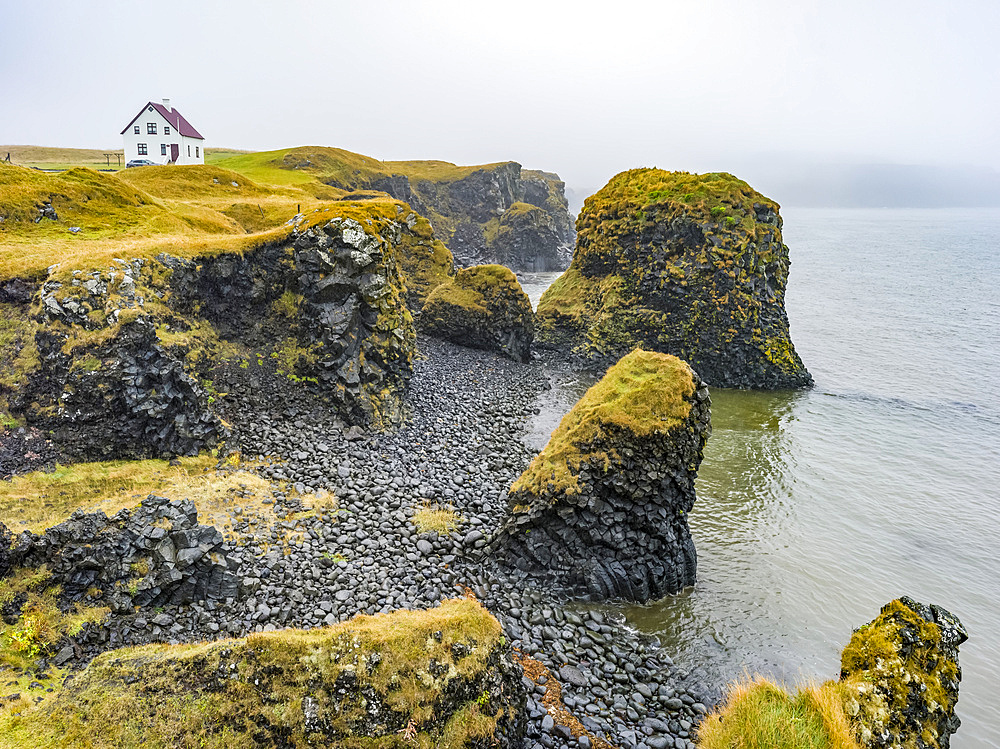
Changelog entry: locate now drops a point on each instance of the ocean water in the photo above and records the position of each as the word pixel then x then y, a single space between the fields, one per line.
pixel 816 507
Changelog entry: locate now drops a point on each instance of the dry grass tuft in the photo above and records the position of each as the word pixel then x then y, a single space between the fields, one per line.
pixel 439 520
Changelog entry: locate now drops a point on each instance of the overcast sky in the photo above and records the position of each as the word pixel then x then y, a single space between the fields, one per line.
pixel 584 89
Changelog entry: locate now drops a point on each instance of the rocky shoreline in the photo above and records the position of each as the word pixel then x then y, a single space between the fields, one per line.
pixel 461 449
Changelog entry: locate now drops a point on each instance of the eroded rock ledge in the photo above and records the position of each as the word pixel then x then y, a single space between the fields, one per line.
pixel 602 511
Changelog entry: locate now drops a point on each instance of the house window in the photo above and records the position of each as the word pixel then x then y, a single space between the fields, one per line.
pixel 142 149
pixel 196 152
pixel 166 129
pixel 189 150
pixel 163 149
pixel 136 129
pixel 150 128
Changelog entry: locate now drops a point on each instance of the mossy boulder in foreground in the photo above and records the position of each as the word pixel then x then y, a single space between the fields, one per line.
pixel 602 511
pixel 482 307
pixel 691 265
pixel 442 677
pixel 903 674
pixel 898 688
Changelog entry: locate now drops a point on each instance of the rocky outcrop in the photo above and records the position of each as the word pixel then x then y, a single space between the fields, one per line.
pixel 120 362
pixel 601 512
pixel 483 307
pixel 153 555
pixel 902 675
pixel 691 265
pixel 441 677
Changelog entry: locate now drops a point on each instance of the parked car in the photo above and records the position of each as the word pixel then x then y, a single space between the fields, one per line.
pixel 140 162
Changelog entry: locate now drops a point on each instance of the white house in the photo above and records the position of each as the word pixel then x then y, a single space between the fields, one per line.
pixel 162 135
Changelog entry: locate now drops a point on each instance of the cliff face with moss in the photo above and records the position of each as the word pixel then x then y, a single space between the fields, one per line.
pixel 468 205
pixel 442 677
pixel 122 359
pixel 691 265
pixel 483 307
pixel 602 511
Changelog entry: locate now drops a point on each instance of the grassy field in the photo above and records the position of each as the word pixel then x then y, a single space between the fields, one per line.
pixel 51 159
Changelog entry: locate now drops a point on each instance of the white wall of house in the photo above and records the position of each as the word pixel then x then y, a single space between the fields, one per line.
pixel 165 135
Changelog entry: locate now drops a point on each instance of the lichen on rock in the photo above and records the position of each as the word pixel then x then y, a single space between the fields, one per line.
pixel 602 510
pixel 691 265
pixel 483 307
pixel 441 677
pixel 903 675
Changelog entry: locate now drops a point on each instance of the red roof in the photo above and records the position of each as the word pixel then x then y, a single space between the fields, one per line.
pixel 174 118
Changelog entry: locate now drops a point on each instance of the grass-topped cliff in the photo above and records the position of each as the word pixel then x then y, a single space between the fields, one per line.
pixel 687 264
pixel 462 202
pixel 440 677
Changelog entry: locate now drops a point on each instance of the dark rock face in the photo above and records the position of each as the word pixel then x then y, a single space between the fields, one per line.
pixel 528 239
pixel 483 307
pixel 691 265
pixel 136 401
pixel 620 530
pixel 7 560
pixel 468 212
pixel 903 673
pixel 351 314
pixel 153 555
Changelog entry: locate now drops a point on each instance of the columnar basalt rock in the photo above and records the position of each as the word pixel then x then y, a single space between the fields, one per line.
pixel 153 555
pixel 691 265
pixel 601 512
pixel 483 307
pixel 902 676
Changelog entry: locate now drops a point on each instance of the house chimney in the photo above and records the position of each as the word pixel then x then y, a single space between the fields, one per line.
pixel 166 104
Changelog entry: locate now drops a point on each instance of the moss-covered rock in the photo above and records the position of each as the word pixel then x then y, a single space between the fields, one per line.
pixel 483 307
pixel 691 265
pixel 898 688
pixel 442 677
pixel 602 510
pixel 903 675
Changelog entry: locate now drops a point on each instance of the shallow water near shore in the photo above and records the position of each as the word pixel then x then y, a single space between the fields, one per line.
pixel 816 507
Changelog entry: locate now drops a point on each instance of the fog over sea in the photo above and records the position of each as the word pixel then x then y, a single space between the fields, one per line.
pixel 816 507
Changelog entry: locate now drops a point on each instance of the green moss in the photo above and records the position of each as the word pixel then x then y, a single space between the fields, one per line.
pixel 473 289
pixel 890 671
pixel 645 393
pixel 252 691
pixel 18 353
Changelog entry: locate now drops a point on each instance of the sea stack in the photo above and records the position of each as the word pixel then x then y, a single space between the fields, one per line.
pixel 691 265
pixel 601 512
pixel 482 307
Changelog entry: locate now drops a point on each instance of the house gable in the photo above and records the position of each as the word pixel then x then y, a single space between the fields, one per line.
pixel 173 118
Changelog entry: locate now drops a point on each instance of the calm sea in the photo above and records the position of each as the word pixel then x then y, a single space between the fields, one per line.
pixel 815 508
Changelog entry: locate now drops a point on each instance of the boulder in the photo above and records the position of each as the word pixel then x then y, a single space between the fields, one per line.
pixel 601 512
pixel 902 675
pixel 483 307
pixel 441 677
pixel 691 265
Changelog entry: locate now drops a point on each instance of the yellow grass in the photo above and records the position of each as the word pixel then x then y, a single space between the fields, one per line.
pixel 759 714
pixel 439 520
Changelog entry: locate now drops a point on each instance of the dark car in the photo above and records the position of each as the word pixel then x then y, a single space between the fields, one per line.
pixel 140 162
